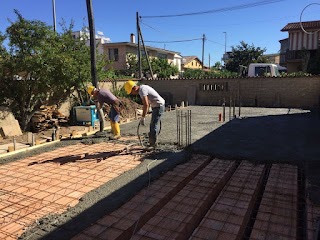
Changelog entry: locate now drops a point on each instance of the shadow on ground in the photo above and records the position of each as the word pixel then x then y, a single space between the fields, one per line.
pixel 292 138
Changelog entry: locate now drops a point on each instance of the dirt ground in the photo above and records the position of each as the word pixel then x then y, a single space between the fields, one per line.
pixel 128 112
pixel 263 135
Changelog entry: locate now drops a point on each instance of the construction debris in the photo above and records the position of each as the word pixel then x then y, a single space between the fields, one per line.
pixel 10 130
pixel 48 117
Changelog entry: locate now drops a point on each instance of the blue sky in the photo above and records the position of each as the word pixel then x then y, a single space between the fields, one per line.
pixel 258 24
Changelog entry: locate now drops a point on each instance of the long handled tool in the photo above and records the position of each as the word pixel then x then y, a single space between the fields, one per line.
pixel 142 132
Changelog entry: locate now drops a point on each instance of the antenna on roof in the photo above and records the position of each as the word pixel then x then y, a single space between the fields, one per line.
pixel 301 25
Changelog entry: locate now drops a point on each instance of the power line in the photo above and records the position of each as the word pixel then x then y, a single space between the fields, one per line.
pixel 215 42
pixel 186 40
pixel 174 41
pixel 243 6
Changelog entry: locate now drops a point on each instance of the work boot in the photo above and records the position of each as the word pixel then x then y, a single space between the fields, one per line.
pixel 115 137
pixel 151 147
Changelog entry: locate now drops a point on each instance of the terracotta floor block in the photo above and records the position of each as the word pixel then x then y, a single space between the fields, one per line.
pixel 56 177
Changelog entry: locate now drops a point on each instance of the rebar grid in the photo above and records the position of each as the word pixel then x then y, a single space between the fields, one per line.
pixel 183 128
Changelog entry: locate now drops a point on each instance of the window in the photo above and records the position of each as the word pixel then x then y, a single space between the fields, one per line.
pixel 262 71
pixel 113 54
pixel 214 87
pixel 161 55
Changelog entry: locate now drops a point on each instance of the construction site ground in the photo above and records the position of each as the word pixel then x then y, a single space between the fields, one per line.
pixel 251 177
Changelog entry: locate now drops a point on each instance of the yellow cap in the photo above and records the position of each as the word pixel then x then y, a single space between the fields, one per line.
pixel 90 89
pixel 129 85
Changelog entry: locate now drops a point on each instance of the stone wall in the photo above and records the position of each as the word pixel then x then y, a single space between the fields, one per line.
pixel 290 92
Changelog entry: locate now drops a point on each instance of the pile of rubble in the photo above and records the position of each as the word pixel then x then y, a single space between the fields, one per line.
pixel 46 118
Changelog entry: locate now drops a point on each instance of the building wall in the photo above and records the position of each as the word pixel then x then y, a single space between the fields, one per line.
pixel 122 51
pixel 300 40
pixel 299 92
pixel 194 64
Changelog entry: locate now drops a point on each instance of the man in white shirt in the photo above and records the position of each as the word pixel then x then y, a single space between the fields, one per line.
pixel 149 96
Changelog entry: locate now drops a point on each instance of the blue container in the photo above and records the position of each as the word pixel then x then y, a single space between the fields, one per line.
pixel 84 114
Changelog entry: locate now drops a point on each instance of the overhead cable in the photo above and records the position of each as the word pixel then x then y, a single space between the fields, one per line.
pixel 243 6
pixel 187 40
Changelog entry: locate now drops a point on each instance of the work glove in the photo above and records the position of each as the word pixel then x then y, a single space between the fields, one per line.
pixel 143 121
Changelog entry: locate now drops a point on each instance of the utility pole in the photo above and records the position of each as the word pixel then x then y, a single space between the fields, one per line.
pixel 209 60
pixel 225 42
pixel 145 50
pixel 54 14
pixel 92 44
pixel 139 51
pixel 203 39
pixel 93 58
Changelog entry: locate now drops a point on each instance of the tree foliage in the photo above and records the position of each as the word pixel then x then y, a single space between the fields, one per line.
pixel 244 54
pixel 40 67
pixel 201 74
pixel 160 66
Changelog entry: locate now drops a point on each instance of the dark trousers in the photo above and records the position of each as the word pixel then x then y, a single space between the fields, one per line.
pixel 154 124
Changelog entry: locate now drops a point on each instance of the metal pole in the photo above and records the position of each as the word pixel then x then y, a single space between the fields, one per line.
pixel 224 110
pixel 189 114
pixel 239 98
pixel 203 39
pixel 230 102
pixel 54 14
pixel 93 57
pixel 234 108
pixel 178 127
pixel 190 128
pixel 145 50
pixel 139 52
pixel 187 129
pixel 225 42
pixel 181 128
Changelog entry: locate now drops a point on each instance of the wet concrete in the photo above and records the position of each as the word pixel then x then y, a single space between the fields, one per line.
pixel 260 134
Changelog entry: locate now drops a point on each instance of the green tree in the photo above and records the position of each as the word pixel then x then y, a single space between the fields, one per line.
pixel 216 66
pixel 40 67
pixel 160 66
pixel 244 54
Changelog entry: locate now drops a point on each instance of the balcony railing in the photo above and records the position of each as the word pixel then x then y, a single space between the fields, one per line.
pixel 294 55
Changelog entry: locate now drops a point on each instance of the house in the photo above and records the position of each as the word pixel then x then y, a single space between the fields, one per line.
pixel 100 38
pixel 273 58
pixel 191 62
pixel 299 50
pixel 118 53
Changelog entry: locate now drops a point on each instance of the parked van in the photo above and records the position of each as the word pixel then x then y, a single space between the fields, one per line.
pixel 263 70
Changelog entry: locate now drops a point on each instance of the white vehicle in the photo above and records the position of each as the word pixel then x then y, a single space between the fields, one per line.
pixel 263 70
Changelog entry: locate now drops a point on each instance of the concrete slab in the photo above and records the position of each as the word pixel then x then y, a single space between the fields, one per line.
pixel 269 137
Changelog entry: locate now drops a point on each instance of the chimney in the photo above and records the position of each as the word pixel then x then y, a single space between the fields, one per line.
pixel 132 38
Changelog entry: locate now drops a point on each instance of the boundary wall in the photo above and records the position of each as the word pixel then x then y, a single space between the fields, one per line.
pixel 284 92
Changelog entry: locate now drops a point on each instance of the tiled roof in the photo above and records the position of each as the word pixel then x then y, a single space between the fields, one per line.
pixel 312 25
pixel 189 59
pixel 136 45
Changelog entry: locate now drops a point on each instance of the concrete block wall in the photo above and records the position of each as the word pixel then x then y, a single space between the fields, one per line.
pixel 289 92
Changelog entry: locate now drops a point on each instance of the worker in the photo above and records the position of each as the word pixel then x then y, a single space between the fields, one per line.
pixel 102 96
pixel 149 96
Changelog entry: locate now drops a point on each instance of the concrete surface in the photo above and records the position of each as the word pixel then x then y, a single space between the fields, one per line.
pixel 261 135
